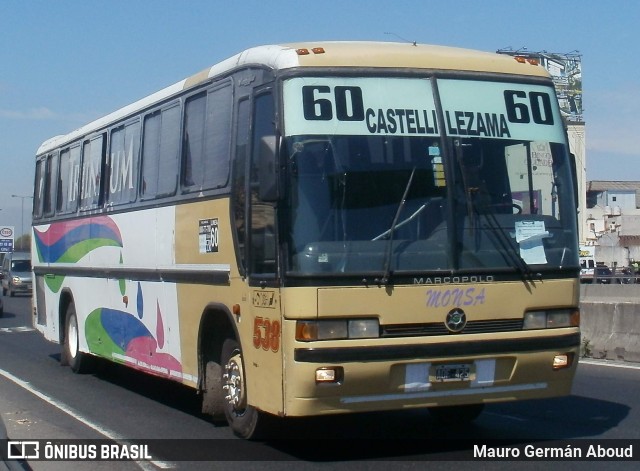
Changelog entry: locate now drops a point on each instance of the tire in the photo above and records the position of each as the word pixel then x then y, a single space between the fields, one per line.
pixel 456 415
pixel 245 420
pixel 212 399
pixel 71 355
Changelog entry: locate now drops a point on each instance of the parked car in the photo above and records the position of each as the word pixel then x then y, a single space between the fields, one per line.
pixel 16 273
pixel 604 275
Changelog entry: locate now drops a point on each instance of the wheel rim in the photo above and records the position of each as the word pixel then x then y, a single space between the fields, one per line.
pixel 72 337
pixel 233 385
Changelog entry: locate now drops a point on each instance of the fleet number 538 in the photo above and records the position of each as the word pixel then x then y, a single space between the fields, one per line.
pixel 266 334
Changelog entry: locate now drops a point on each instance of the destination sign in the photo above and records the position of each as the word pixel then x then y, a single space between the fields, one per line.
pixel 406 107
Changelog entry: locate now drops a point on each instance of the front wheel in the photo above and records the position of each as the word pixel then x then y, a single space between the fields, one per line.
pixel 245 420
pixel 213 402
pixel 71 354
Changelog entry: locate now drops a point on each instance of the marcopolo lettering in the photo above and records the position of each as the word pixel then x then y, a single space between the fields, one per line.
pixel 445 280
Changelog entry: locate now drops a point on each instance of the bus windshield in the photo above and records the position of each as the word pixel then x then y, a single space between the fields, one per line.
pixel 432 200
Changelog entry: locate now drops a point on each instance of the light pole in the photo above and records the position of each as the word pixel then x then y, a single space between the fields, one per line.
pixel 22 214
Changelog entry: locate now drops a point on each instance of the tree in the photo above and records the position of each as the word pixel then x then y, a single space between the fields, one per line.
pixel 22 243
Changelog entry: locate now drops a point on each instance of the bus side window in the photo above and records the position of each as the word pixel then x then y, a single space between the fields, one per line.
pixel 160 148
pixel 123 164
pixel 67 191
pixel 50 181
pixel 206 139
pixel 39 189
pixel 93 151
pixel 239 180
pixel 263 237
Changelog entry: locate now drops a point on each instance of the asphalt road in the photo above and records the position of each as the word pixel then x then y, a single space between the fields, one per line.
pixel 39 399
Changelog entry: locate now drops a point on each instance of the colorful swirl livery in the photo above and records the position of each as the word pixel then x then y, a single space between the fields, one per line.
pixel 111 333
pixel 70 241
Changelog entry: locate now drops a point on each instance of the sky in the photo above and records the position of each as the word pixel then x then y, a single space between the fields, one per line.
pixel 65 63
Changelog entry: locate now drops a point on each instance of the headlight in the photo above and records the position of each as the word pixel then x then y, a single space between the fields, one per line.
pixel 535 320
pixel 364 329
pixel 337 329
pixel 332 330
pixel 16 280
pixel 559 319
pixel 551 319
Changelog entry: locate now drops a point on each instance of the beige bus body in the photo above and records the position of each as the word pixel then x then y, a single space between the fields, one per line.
pixel 196 298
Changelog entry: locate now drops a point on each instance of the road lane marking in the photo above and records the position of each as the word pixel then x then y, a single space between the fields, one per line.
pixel 9 330
pixel 609 363
pixel 79 417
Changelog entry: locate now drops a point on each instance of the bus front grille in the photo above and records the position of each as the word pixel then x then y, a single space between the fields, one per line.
pixel 438 328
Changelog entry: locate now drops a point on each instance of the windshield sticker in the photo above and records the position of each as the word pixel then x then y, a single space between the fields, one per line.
pixel 500 110
pixel 529 235
pixel 437 166
pixel 359 106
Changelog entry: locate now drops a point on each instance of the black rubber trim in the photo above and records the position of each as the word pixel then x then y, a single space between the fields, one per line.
pixel 186 275
pixel 434 351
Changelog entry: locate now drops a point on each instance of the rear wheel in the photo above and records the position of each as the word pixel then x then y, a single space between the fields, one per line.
pixel 245 420
pixel 71 354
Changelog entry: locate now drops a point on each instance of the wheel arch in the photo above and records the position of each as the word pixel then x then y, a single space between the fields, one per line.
pixel 216 324
pixel 66 298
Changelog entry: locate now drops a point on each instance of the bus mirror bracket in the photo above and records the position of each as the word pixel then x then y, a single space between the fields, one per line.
pixel 574 177
pixel 268 167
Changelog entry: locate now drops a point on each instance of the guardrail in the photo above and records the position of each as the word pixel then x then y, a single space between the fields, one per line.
pixel 619 278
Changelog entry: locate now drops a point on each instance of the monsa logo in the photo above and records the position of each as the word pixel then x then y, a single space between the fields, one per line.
pixel 6 232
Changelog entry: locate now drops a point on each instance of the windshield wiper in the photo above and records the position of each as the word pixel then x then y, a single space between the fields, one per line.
pixel 473 196
pixel 400 224
pixel 389 249
pixel 503 239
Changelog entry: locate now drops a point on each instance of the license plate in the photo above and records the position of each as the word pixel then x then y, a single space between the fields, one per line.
pixel 461 372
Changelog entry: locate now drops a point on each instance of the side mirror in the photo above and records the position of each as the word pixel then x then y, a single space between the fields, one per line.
pixel 268 168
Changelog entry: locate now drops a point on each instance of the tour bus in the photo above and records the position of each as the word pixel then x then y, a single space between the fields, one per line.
pixel 315 229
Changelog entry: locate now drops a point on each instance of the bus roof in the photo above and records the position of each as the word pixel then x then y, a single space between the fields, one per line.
pixel 323 54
